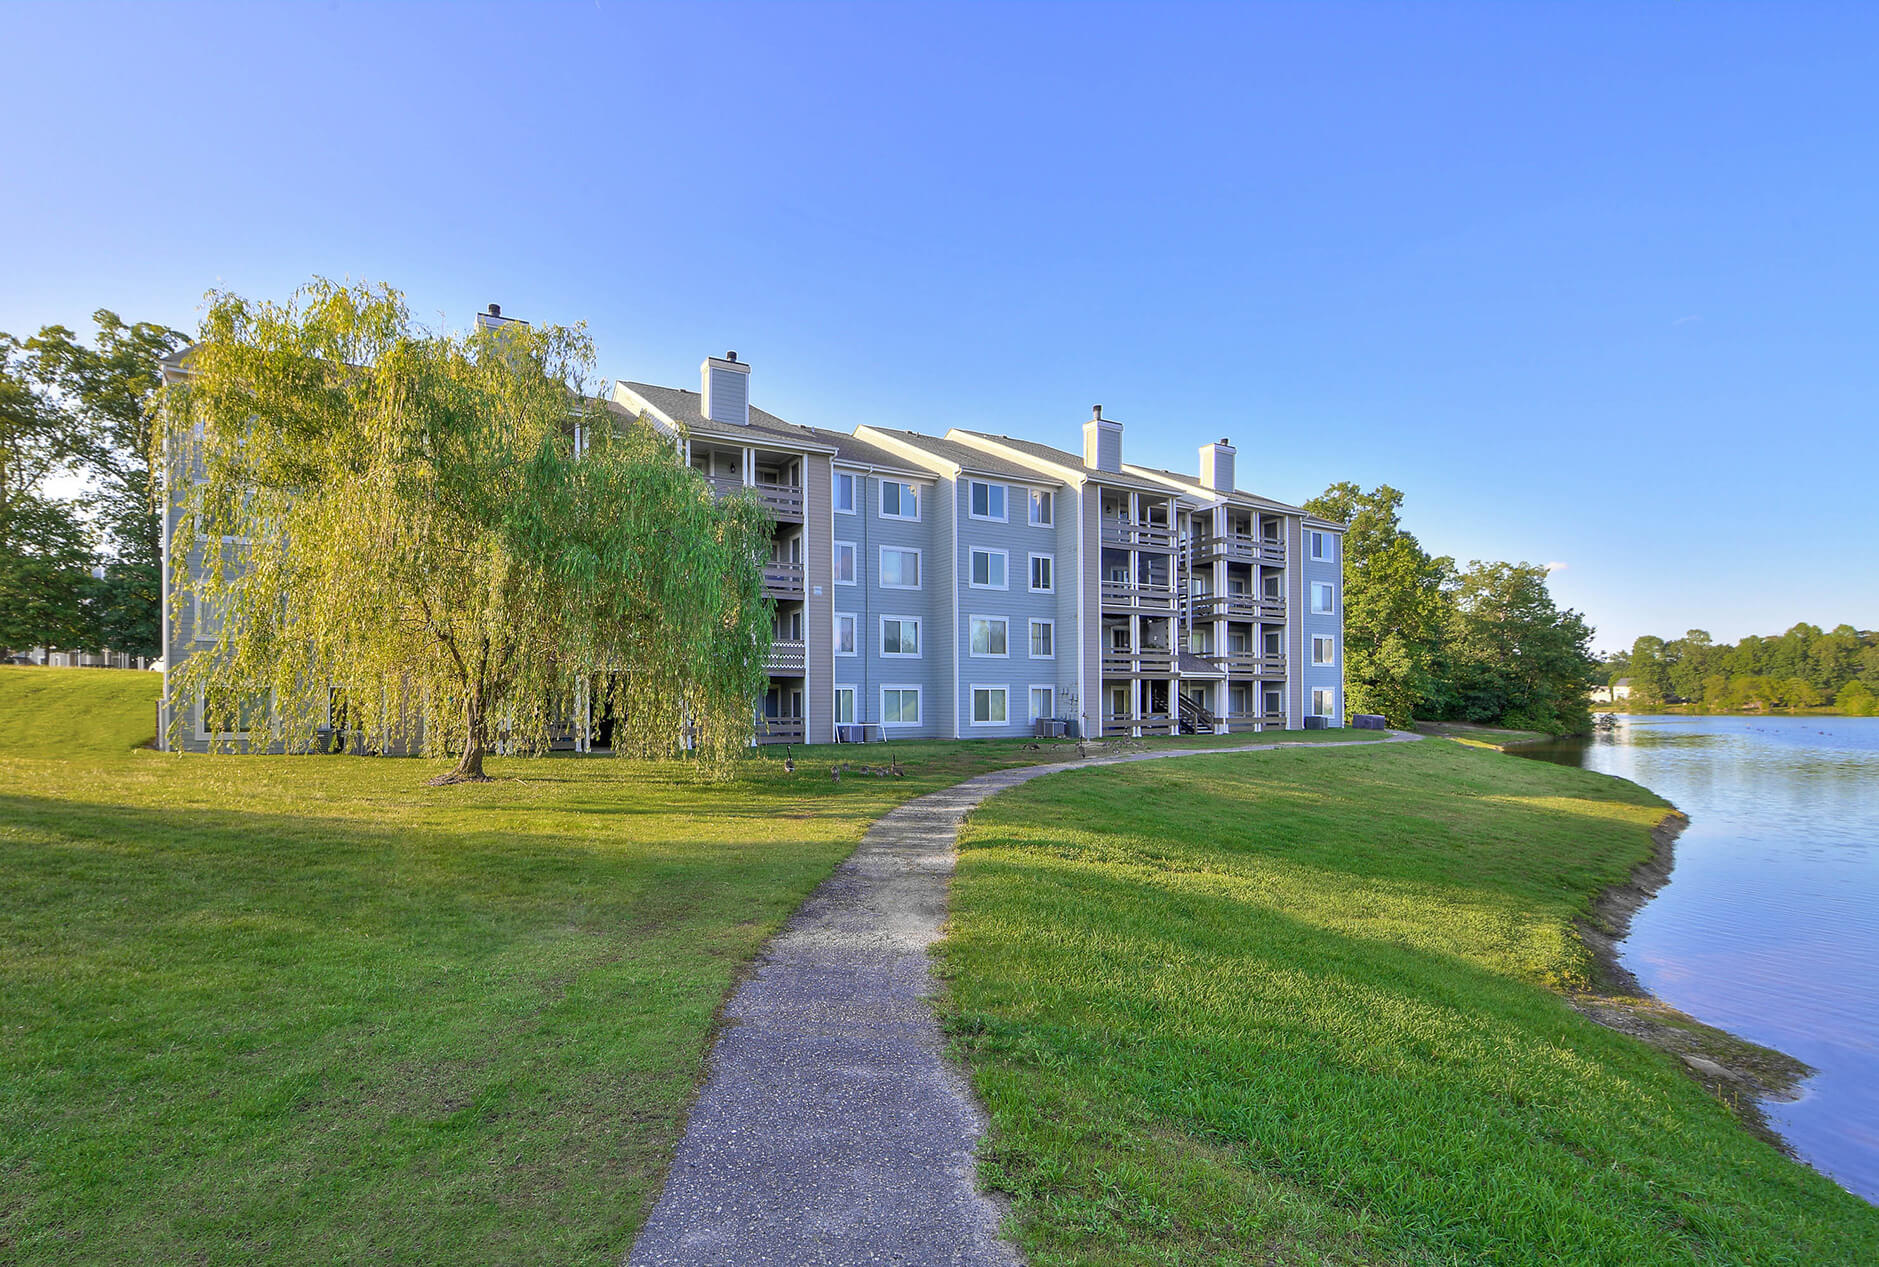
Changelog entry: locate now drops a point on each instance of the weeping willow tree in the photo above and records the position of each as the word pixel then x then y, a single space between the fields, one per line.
pixel 445 539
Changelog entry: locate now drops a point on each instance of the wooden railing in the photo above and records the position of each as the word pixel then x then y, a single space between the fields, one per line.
pixel 1125 532
pixel 786 656
pixel 783 580
pixel 1144 597
pixel 780 730
pixel 783 501
pixel 1148 662
pixel 1249 664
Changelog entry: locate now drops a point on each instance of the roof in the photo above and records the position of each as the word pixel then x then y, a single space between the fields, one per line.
pixel 967 458
pixel 1062 457
pixel 855 450
pixel 682 408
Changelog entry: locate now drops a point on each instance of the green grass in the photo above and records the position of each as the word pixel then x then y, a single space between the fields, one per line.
pixel 1495 737
pixel 304 1009
pixel 76 712
pixel 1301 1008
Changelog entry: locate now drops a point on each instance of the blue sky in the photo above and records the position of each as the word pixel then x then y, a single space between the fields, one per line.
pixel 1592 285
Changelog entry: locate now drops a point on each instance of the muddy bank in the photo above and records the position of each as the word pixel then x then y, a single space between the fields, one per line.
pixel 1739 1073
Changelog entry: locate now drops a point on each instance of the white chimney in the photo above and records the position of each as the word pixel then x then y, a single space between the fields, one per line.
pixel 1216 466
pixel 1102 441
pixel 726 389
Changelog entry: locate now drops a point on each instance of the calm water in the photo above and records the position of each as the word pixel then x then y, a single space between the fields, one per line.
pixel 1769 927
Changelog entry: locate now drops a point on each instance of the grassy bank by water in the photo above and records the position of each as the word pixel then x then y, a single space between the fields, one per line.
pixel 1305 1008
pixel 303 1009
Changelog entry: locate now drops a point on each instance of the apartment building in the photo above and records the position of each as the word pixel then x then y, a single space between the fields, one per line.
pixel 970 585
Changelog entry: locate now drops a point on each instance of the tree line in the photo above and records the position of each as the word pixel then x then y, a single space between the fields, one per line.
pixel 1427 639
pixel 1806 667
pixel 80 572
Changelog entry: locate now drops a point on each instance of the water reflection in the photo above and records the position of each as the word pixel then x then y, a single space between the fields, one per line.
pixel 1769 926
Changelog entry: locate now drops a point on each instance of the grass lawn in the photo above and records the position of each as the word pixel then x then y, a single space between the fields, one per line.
pixel 1480 736
pixel 304 1009
pixel 1301 1008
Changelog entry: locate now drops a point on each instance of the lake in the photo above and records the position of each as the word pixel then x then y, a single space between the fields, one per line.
pixel 1769 927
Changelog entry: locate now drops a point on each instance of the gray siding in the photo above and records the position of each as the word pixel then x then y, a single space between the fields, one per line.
pixel 868 671
pixel 818 621
pixel 1017 671
pixel 1317 677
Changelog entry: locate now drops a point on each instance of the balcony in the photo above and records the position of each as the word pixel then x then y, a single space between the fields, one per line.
pixel 783 580
pixel 1274 719
pixel 1148 662
pixel 787 658
pixel 783 501
pixel 1131 596
pixel 780 730
pixel 1250 664
pixel 1133 536
pixel 1226 607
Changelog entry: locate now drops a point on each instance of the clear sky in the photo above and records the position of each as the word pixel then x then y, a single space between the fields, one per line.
pixel 1596 286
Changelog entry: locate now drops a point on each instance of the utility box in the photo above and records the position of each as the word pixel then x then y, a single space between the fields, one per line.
pixel 1052 728
pixel 1370 721
pixel 1317 723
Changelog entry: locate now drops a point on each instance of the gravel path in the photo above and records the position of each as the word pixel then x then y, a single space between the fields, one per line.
pixel 832 1129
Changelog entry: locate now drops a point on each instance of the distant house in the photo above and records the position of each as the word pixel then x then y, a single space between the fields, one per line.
pixel 1619 690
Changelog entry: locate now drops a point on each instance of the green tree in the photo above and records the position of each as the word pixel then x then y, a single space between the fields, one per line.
pixel 1395 605
pixel 1515 657
pixel 1689 659
pixel 1856 699
pixel 1650 671
pixel 107 389
pixel 449 534
pixel 46 556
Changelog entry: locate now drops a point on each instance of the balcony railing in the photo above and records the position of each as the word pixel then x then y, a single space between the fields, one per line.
pixel 1139 597
pixel 1249 664
pixel 1238 607
pixel 783 501
pixel 1125 532
pixel 1273 719
pixel 786 657
pixel 1146 724
pixel 1236 547
pixel 780 730
pixel 783 580
pixel 1148 662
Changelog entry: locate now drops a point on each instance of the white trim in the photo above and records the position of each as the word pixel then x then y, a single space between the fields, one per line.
pixel 973 486
pixel 972 702
pixel 1315 537
pixel 855 481
pixel 1030 572
pixel 1031 492
pixel 988 655
pixel 1329 586
pixel 919 637
pixel 1328 638
pixel 835 703
pixel 854 552
pixel 919 566
pixel 1030 700
pixel 919 698
pixel 880 501
pixel 1030 640
pixel 972 553
pixel 855 629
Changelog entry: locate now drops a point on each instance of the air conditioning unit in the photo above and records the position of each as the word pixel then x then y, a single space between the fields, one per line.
pixel 1317 723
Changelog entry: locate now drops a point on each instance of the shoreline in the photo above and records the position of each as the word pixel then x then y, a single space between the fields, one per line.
pixel 1738 1073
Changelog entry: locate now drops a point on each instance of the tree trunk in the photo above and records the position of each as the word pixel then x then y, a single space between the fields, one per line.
pixel 475 744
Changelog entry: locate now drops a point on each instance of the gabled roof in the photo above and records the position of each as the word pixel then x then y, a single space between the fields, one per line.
pixel 970 460
pixel 854 451
pixel 1072 461
pixel 681 408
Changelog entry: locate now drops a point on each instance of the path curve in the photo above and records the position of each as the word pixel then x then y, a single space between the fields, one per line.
pixel 832 1129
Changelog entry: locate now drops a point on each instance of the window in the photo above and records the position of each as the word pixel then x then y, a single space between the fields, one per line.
pixel 900 706
pixel 1273 706
pixel 1043 640
pixel 1323 597
pixel 988 501
pixel 900 635
pixel 1043 507
pixel 1323 650
pixel 844 705
pixel 988 706
pixel 844 633
pixel 1043 703
pixel 988 569
pixel 990 635
pixel 844 563
pixel 1322 548
pixel 844 493
pixel 1273 647
pixel 1322 702
pixel 900 569
pixel 899 501
pixel 1043 574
